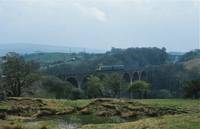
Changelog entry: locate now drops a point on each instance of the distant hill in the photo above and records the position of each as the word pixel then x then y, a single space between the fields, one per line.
pixel 175 56
pixel 190 55
pixel 193 63
pixel 24 48
pixel 176 53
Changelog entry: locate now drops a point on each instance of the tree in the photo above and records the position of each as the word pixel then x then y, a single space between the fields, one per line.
pixel 190 55
pixel 115 84
pixel 76 93
pixel 169 76
pixel 95 87
pixel 192 88
pixel 3 92
pixel 17 74
pixel 139 87
pixel 164 94
pixel 56 86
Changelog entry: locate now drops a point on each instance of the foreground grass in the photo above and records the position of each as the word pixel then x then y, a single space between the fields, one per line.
pixel 190 105
pixel 191 119
pixel 181 121
pixel 52 104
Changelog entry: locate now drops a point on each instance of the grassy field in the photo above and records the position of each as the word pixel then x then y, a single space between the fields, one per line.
pixel 190 105
pixel 189 120
pixel 171 113
pixel 181 121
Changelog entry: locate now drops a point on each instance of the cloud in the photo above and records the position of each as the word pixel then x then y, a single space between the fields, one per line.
pixel 196 4
pixel 92 12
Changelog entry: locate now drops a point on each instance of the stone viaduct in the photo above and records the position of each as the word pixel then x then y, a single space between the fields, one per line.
pixel 79 80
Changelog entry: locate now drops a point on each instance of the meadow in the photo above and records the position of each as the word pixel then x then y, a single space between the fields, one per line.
pixel 145 113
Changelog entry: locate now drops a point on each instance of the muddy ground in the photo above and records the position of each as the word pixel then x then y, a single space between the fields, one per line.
pixel 101 107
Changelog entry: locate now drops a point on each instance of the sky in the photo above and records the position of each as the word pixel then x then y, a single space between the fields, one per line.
pixel 102 24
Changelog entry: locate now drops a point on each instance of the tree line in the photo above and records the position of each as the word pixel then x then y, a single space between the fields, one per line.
pixel 130 58
pixel 23 78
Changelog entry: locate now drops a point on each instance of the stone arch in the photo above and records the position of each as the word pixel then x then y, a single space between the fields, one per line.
pixel 135 76
pixel 126 77
pixel 73 81
pixel 84 82
pixel 143 76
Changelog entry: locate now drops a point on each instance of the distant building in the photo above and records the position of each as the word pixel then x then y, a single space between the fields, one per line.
pixel 76 58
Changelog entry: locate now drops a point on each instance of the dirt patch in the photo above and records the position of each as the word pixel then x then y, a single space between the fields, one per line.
pixel 21 107
pixel 102 107
pixel 130 114
pixel 102 113
pixel 3 115
pixel 85 111
pixel 127 108
pixel 10 127
pixel 24 102
pixel 66 112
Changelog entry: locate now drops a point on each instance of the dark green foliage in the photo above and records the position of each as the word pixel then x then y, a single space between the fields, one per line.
pixel 116 50
pixel 137 57
pixel 115 85
pixel 143 56
pixel 131 58
pixel 4 92
pixel 61 69
pixel 164 94
pixel 56 86
pixel 139 87
pixel 105 87
pixel 95 87
pixel 76 93
pixel 169 76
pixel 61 89
pixel 190 55
pixel 192 88
pixel 18 74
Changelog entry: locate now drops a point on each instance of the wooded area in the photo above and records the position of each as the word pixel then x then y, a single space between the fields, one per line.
pixel 22 76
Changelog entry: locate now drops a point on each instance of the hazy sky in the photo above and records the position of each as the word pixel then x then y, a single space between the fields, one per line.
pixel 102 24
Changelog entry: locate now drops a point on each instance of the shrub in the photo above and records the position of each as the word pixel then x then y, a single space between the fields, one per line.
pixel 164 94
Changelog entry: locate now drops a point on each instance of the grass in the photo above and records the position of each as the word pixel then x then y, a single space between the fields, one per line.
pixel 48 57
pixel 184 104
pixel 184 120
pixel 78 103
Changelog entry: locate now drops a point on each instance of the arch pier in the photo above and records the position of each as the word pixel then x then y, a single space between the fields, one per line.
pixel 79 80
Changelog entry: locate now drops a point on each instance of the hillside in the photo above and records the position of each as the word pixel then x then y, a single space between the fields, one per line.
pixel 24 48
pixel 130 58
pixel 190 55
pixel 193 63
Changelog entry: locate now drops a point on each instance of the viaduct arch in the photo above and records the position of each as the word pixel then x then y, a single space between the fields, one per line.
pixel 79 80
pixel 135 76
pixel 126 77
pixel 73 81
pixel 84 82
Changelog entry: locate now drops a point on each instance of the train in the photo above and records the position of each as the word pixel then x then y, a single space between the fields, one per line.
pixel 110 68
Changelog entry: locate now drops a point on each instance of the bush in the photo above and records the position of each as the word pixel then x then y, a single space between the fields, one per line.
pixel 4 93
pixel 164 94
pixel 76 93
pixel 192 89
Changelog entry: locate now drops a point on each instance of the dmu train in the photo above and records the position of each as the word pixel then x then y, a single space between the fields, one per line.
pixel 110 68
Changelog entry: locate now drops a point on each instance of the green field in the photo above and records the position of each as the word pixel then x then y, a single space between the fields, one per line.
pixel 171 113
